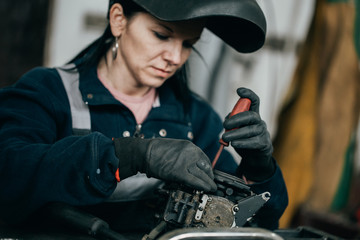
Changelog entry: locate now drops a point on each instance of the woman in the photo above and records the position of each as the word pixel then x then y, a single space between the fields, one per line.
pixel 122 106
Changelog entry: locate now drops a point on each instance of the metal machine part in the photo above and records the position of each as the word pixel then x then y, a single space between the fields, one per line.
pixel 301 233
pixel 232 205
pixel 220 234
pixel 247 207
pixel 202 210
pixel 199 210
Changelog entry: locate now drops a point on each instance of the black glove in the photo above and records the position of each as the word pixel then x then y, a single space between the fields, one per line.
pixel 251 140
pixel 168 159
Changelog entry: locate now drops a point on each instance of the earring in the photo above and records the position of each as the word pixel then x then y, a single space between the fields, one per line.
pixel 115 48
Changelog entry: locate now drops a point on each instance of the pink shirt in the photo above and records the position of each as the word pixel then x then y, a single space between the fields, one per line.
pixel 139 106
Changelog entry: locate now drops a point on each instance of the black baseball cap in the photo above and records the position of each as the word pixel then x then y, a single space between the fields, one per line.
pixel 239 23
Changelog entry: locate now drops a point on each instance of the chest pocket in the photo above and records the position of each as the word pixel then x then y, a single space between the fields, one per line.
pixel 133 188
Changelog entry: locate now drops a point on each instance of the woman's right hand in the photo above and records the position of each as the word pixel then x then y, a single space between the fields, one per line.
pixel 167 159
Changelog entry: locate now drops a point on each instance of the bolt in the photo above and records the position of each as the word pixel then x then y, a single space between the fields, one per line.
pixel 236 208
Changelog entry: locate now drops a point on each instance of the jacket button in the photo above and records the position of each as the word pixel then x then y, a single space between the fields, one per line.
pixel 90 96
pixel 190 135
pixel 163 132
pixel 126 134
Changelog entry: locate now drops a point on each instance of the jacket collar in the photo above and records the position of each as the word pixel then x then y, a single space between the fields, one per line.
pixel 92 90
pixel 94 93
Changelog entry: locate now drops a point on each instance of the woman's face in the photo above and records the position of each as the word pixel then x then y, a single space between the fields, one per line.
pixel 150 50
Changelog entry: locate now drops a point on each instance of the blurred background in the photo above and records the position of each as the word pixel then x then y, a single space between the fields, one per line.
pixel 307 77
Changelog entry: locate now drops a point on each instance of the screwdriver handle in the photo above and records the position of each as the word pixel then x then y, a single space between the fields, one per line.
pixel 242 105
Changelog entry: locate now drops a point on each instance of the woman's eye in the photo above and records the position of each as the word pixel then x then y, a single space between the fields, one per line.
pixel 161 36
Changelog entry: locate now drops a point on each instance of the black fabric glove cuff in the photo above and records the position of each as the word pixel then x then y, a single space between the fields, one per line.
pixel 131 153
pixel 257 173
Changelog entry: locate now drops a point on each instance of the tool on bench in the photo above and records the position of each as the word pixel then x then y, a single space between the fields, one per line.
pixel 242 105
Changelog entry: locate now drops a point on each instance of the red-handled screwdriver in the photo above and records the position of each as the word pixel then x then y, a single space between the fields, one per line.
pixel 242 105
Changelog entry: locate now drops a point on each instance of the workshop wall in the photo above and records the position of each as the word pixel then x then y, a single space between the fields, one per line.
pixel 73 25
pixel 22 36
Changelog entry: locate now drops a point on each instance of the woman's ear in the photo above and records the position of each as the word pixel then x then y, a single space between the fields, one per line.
pixel 117 19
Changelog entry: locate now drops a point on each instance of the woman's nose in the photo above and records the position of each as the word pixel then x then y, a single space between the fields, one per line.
pixel 174 53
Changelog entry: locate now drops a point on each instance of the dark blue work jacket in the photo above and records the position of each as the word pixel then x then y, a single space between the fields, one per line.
pixel 41 160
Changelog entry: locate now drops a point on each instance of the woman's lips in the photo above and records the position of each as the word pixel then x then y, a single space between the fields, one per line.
pixel 161 72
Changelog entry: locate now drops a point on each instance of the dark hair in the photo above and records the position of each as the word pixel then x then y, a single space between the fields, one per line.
pixel 91 55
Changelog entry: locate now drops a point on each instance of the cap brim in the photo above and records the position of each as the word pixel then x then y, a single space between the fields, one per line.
pixel 239 23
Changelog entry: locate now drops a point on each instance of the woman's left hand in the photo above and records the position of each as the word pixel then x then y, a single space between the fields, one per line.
pixel 249 136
